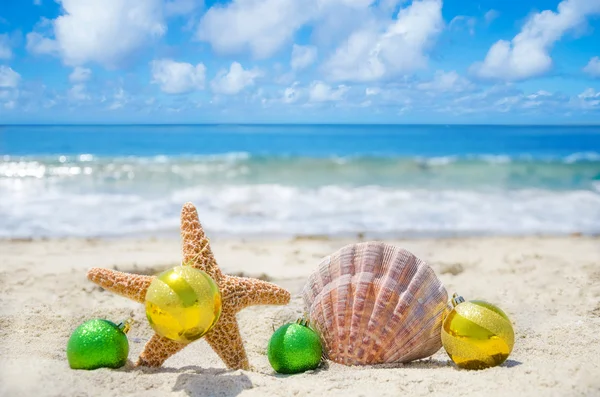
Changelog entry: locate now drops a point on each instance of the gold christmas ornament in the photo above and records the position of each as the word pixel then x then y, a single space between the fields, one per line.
pixel 183 304
pixel 477 334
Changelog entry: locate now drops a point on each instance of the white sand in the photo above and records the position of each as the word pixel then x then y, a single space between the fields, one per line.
pixel 550 287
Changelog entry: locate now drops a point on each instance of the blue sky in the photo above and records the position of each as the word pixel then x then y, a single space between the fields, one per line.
pixel 385 61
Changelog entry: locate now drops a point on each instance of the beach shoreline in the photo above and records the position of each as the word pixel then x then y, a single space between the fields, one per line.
pixel 377 180
pixel 549 286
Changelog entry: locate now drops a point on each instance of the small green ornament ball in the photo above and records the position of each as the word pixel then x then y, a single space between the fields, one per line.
pixel 294 348
pixel 97 343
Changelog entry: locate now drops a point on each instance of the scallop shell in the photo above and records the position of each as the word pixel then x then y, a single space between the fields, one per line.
pixel 375 303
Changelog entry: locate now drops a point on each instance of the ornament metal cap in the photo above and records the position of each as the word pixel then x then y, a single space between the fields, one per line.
pixel 303 321
pixel 457 299
pixel 125 325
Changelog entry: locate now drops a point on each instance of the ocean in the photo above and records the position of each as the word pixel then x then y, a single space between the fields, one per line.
pixel 287 180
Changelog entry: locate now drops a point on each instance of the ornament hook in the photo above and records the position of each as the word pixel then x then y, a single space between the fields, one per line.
pixel 457 299
pixel 125 325
pixel 304 320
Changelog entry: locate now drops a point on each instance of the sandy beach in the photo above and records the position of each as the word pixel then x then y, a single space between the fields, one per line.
pixel 465 132
pixel 549 286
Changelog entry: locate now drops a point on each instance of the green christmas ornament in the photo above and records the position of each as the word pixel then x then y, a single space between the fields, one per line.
pixel 294 348
pixel 98 343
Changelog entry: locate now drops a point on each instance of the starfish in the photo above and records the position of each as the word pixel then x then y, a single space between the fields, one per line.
pixel 236 293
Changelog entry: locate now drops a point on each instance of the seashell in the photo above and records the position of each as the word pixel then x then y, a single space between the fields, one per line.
pixel 376 303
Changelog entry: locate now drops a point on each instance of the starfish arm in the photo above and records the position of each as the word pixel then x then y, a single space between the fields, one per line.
pixel 226 341
pixel 132 286
pixel 157 350
pixel 244 292
pixel 196 247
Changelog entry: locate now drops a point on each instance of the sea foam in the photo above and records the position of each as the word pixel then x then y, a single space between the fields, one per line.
pixel 285 211
pixel 243 194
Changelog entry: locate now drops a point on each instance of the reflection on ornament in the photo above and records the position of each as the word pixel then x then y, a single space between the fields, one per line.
pixel 183 304
pixel 477 334
pixel 98 343
pixel 294 348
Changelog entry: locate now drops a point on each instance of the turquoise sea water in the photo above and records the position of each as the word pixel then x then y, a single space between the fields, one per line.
pixel 301 179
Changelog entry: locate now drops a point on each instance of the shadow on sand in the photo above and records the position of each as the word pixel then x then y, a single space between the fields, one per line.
pixel 511 363
pixel 199 381
pixel 213 383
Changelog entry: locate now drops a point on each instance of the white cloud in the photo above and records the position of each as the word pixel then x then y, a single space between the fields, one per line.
pixel 8 77
pixel 465 21
pixel 321 92
pixel 235 80
pixel 78 92
pixel 335 21
pixel 284 78
pixel 120 99
pixel 593 67
pixel 446 81
pixel 5 47
pixel 260 26
pixel 39 44
pixel 291 94
pixel 527 55
pixel 316 92
pixel 372 91
pixel 177 77
pixel 370 55
pixel 181 7
pixel 303 56
pixel 80 74
pixel 540 93
pixel 589 93
pixel 263 27
pixel 358 4
pixel 37 2
pixel 490 16
pixel 588 100
pixel 103 31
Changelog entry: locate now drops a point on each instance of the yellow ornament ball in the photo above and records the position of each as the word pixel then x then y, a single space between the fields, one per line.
pixel 477 334
pixel 183 304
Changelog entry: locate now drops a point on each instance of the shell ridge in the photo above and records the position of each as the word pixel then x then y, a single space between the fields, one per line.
pixel 311 289
pixel 374 303
pixel 362 304
pixel 318 322
pixel 372 340
pixel 358 302
pixel 407 266
pixel 328 310
pixel 316 304
pixel 344 302
pixel 365 298
pixel 409 317
pixel 321 321
pixel 316 282
pixel 430 342
pixel 418 288
pixel 325 310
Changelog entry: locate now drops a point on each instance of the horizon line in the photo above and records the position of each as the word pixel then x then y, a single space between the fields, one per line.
pixel 302 124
